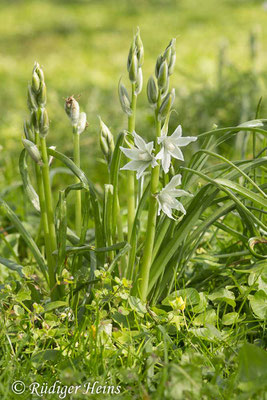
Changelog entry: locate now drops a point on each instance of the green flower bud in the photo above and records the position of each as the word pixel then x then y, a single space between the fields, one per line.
pixel 32 103
pixel 163 76
pixel 159 61
pixel 124 99
pixel 82 124
pixel 43 122
pixel 33 151
pixel 130 56
pixel 152 91
pixel 172 64
pixel 38 71
pixel 28 131
pixel 133 69
pixel 72 110
pixel 139 48
pixel 106 141
pixel 167 54
pixel 166 105
pixel 139 82
pixel 41 98
pixel 35 82
pixel 34 121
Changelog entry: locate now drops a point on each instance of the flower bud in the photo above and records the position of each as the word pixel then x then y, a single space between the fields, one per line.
pixel 172 64
pixel 32 103
pixel 34 121
pixel 139 48
pixel 139 82
pixel 130 56
pixel 159 61
pixel 124 99
pixel 82 124
pixel 133 68
pixel 33 151
pixel 41 98
pixel 35 82
pixel 106 141
pixel 28 131
pixel 72 110
pixel 39 72
pixel 163 76
pixel 43 122
pixel 166 105
pixel 152 91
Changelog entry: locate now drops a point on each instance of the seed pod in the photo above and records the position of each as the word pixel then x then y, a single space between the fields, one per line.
pixel 41 98
pixel 82 124
pixel 139 48
pixel 163 76
pixel 139 82
pixel 28 131
pixel 32 103
pixel 33 151
pixel 152 91
pixel 106 141
pixel 72 110
pixel 166 105
pixel 124 99
pixel 35 82
pixel 133 68
pixel 43 122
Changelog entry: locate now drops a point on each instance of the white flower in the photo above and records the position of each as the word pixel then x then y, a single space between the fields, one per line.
pixel 141 155
pixel 171 147
pixel 167 197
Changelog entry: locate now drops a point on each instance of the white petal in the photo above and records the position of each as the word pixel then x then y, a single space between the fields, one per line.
pixel 149 147
pixel 131 153
pixel 177 133
pixel 167 210
pixel 139 141
pixel 184 141
pixel 159 209
pixel 141 169
pixel 154 162
pixel 162 139
pixel 176 153
pixel 160 154
pixel 166 162
pixel 132 165
pixel 175 181
pixel 180 192
pixel 180 207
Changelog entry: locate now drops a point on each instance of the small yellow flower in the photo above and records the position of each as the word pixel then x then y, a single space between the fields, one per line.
pixel 178 304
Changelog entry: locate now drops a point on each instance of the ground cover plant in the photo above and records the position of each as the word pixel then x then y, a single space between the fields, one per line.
pixel 143 294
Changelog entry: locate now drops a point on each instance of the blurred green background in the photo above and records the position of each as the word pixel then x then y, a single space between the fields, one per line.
pixel 83 47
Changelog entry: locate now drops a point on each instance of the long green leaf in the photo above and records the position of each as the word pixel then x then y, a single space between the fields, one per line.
pixel 4 207
pixel 28 188
pixel 12 265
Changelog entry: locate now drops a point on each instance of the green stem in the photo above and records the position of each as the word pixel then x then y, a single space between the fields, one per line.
pixel 130 174
pixel 151 225
pixel 78 203
pixel 48 216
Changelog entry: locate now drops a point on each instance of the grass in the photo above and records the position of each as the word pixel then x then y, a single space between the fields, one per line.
pixel 151 307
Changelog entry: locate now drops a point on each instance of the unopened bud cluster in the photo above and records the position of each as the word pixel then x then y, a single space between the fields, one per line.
pixel 134 67
pixel 77 118
pixel 39 121
pixel 158 88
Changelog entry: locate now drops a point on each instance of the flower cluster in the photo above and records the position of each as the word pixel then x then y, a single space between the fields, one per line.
pixel 142 157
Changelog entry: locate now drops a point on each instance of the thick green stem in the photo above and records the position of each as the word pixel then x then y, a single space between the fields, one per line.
pixel 45 195
pixel 78 202
pixel 151 226
pixel 130 174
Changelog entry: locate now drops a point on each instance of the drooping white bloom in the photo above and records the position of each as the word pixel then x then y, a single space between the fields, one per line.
pixel 141 156
pixel 167 197
pixel 171 146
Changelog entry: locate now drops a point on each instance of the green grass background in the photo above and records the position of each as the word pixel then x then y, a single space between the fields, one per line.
pixel 83 46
